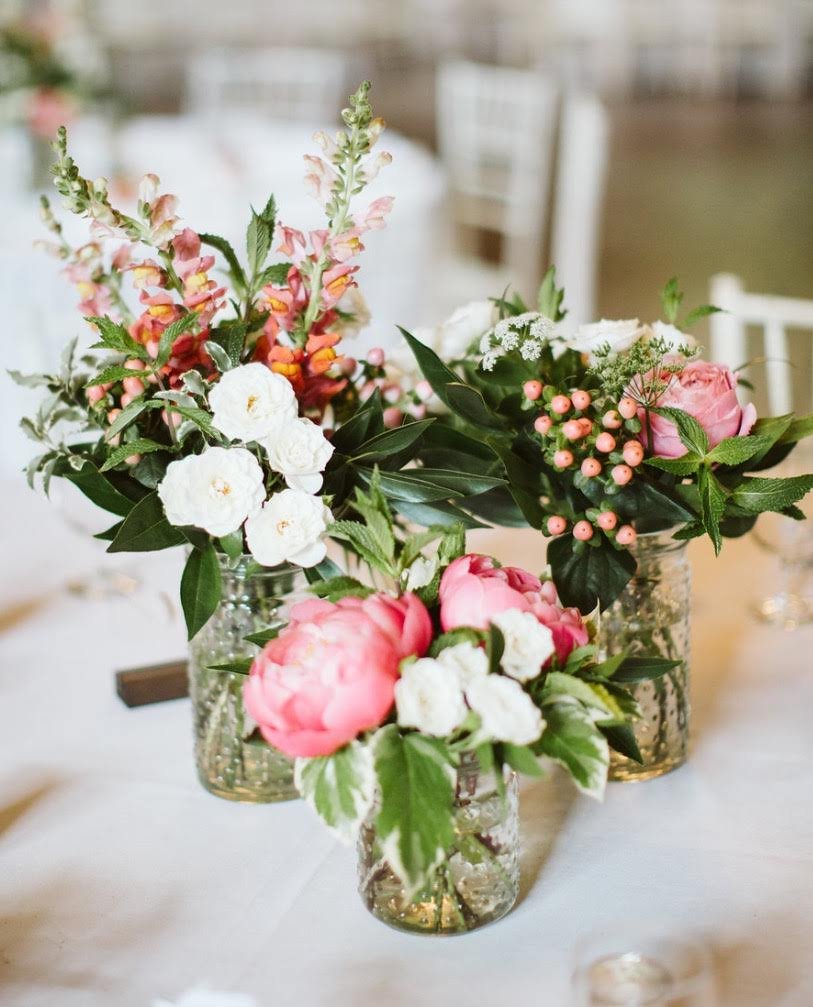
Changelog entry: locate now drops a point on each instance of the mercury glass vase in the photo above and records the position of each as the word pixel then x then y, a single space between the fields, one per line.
pixel 232 759
pixel 477 881
pixel 652 617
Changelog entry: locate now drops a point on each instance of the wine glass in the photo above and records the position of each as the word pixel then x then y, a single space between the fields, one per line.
pixel 632 966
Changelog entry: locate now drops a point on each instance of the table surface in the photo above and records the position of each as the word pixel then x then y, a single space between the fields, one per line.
pixel 124 882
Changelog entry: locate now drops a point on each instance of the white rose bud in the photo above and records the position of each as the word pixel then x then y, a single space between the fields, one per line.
pixel 299 450
pixel 506 711
pixel 463 327
pixel 421 572
pixel 468 662
pixel 528 644
pixel 248 401
pixel 619 335
pixel 289 529
pixel 216 490
pixel 429 698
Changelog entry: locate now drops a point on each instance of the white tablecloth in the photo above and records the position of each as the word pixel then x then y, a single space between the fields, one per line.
pixel 124 881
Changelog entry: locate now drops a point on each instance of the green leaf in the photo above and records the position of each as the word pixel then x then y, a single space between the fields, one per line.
pixel 390 441
pixel 702 311
pixel 30 380
pixel 220 357
pixel 495 648
pixel 231 335
pixel 755 495
pixel 408 486
pixel 499 507
pixel 671 297
pixel 140 446
pixel 341 587
pixel 594 576
pixel 171 333
pixel 521 759
pixel 712 506
pixel 115 372
pixel 264 636
pixel 621 738
pixel 415 822
pixel 228 253
pixel 432 367
pixel 146 529
pixel 365 542
pixel 470 406
pixel 686 465
pixel 692 435
pixel 322 571
pixel 339 787
pixel 258 242
pixel 799 428
pixel 737 450
pixel 109 533
pixel 125 418
pixel 242 666
pixel 200 588
pixel 559 684
pixel 116 337
pixel 276 274
pixel 437 513
pixel 573 740
pixel 642 669
pixel 463 634
pixel 364 424
pixel 232 545
pixel 98 489
pixel 549 299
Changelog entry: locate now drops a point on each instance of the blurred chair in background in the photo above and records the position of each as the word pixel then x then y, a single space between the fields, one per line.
pixel 581 174
pixel 496 129
pixel 774 315
pixel 284 83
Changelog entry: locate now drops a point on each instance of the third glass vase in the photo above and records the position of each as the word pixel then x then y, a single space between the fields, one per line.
pixel 651 617
pixel 232 759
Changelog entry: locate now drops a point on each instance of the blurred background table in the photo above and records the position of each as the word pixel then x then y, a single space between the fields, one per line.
pixel 124 881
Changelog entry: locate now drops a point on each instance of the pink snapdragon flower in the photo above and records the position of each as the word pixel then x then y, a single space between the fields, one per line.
pixel 335 282
pixel 320 179
pixel 290 239
pixel 373 217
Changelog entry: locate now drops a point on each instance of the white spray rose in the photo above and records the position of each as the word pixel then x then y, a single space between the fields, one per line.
pixel 247 401
pixel 216 490
pixel 289 529
pixel 506 711
pixel 299 450
pixel 429 698
pixel 468 662
pixel 528 644
pixel 671 334
pixel 619 335
pixel 453 338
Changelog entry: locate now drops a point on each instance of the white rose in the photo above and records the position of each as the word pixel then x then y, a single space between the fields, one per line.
pixel 468 662
pixel 429 698
pixel 249 400
pixel 619 335
pixel 289 529
pixel 299 450
pixel 216 490
pixel 672 335
pixel 528 644
pixel 421 572
pixel 463 327
pixel 506 711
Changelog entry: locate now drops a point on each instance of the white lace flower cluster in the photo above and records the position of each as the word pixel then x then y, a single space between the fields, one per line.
pixel 223 489
pixel 527 333
pixel 435 695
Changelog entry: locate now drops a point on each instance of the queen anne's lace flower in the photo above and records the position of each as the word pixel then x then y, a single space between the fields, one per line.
pixel 216 490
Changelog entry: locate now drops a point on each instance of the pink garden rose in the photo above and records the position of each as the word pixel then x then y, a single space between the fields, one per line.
pixel 331 672
pixel 708 392
pixel 473 590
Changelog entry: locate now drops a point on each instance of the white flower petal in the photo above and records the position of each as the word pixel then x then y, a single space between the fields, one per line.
pixel 528 644
pixel 299 450
pixel 309 483
pixel 507 712
pixel 429 698
pixel 289 528
pixel 467 661
pixel 248 401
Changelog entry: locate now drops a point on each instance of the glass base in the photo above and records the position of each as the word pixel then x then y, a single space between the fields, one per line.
pixel 250 772
pixel 624 770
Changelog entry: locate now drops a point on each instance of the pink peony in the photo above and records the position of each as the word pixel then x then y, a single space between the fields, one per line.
pixel 473 589
pixel 708 392
pixel 331 673
pixel 565 624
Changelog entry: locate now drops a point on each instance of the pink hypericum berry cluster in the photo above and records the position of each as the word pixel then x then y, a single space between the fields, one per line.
pixel 602 444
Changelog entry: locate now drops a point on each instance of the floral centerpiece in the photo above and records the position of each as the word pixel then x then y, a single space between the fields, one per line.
pixel 409 710
pixel 223 416
pixel 619 443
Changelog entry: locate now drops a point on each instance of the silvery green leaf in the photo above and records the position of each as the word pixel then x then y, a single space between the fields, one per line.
pixel 194 383
pixel 219 355
pixel 180 398
pixel 339 787
pixel 557 684
pixel 573 740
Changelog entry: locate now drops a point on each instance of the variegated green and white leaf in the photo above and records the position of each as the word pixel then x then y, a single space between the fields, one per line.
pixel 573 740
pixel 339 787
pixel 559 685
